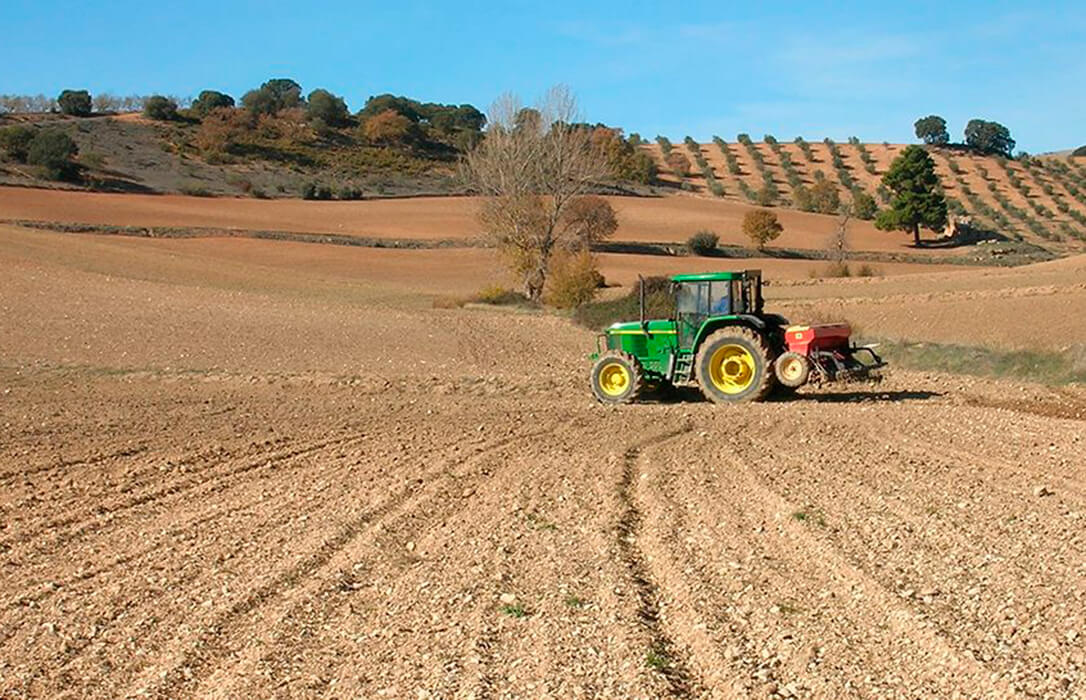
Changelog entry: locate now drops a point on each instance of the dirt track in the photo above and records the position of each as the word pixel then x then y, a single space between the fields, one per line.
pixel 285 485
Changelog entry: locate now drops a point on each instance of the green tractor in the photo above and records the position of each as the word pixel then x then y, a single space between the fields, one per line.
pixel 720 339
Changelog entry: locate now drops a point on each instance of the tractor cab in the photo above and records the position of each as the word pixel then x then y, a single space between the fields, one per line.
pixel 718 336
pixel 703 296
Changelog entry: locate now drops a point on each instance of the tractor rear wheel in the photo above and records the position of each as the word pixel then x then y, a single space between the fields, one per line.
pixel 734 364
pixel 617 377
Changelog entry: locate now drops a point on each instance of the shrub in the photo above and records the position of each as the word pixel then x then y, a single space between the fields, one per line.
pixel 573 279
pixel 665 145
pixel 679 164
pixel 77 103
pixel 802 198
pixel 389 128
pixel 53 150
pixel 209 100
pixel 325 106
pixel 273 96
pixel 770 139
pixel 15 141
pixel 863 205
pixel 160 108
pixel 702 243
pixel 761 227
pixel 350 192
pixel 824 196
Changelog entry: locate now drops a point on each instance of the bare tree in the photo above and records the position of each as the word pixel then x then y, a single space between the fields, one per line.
pixel 534 167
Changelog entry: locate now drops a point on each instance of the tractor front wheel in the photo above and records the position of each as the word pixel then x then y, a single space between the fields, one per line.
pixel 617 377
pixel 733 365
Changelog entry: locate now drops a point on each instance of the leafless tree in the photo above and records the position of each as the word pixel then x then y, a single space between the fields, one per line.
pixel 534 168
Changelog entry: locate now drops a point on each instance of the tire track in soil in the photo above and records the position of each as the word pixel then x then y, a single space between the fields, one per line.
pixel 74 650
pixel 192 482
pixel 146 475
pixel 904 621
pixel 945 619
pixel 681 681
pixel 489 638
pixel 184 677
pixel 11 476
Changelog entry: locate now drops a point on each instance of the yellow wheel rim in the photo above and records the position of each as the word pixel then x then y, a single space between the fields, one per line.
pixel 614 379
pixel 792 368
pixel 731 369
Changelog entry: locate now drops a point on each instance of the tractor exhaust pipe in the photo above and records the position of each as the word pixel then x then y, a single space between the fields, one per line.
pixel 641 297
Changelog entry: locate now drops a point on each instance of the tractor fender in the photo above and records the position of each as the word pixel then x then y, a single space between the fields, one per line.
pixel 750 321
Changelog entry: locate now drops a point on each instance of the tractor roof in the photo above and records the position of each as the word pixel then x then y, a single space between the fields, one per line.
pixel 714 276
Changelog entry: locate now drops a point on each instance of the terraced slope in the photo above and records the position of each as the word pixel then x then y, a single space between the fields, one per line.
pixel 1039 200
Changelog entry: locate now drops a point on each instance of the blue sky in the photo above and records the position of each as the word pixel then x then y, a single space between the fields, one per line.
pixel 814 69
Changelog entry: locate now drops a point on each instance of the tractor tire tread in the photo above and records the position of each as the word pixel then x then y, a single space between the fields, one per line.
pixel 766 382
pixel 637 377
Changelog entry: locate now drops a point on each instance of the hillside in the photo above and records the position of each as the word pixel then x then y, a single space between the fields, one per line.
pixel 1038 200
pixel 129 153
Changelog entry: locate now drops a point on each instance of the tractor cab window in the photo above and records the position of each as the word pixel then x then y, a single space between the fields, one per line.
pixel 720 301
pixel 691 309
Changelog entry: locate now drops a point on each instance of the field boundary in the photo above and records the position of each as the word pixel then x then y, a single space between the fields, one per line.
pixel 988 257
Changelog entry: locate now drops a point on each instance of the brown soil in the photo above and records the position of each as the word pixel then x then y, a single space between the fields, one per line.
pixel 663 219
pixel 224 476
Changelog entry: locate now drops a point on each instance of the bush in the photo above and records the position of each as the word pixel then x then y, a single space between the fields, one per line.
pixel 77 103
pixel 209 100
pixel 349 192
pixel 15 141
pixel 329 108
pixel 702 243
pixel 679 164
pixel 824 196
pixel 160 108
pixel 498 296
pixel 659 303
pixel 573 279
pixel 761 227
pixel 53 150
pixel 665 145
pixel 863 205
pixel 389 128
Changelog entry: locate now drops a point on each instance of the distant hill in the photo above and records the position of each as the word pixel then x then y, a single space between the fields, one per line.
pixel 128 153
pixel 1039 200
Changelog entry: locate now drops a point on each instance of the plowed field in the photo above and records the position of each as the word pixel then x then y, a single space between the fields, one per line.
pixel 223 476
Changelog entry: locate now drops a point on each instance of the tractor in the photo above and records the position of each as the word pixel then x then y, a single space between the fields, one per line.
pixel 719 338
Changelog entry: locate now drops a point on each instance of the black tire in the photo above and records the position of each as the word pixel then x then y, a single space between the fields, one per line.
pixel 750 372
pixel 792 369
pixel 617 377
